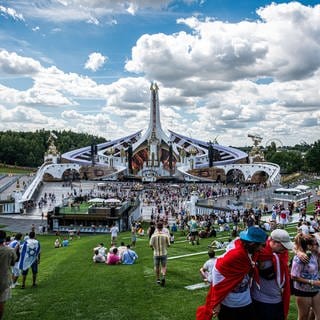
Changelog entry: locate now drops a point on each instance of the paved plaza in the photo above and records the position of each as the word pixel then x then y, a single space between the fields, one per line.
pixel 23 223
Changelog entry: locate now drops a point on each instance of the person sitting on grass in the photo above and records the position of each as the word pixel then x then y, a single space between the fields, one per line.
pixel 101 248
pixel 65 242
pixel 98 257
pixel 206 269
pixel 113 257
pixel 57 243
pixel 121 249
pixel 129 256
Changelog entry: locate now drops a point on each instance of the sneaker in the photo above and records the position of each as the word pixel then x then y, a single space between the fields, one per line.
pixel 158 281
pixel 163 282
pixel 13 286
pixel 23 286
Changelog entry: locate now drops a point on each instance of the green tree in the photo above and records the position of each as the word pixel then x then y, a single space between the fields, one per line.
pixel 28 148
pixel 312 158
pixel 289 161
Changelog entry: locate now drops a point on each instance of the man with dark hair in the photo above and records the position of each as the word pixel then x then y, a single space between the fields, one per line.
pixel 30 258
pixel 159 242
pixel 193 228
pixel 8 258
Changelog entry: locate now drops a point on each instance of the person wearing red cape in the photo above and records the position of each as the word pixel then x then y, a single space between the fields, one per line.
pixel 229 295
pixel 271 291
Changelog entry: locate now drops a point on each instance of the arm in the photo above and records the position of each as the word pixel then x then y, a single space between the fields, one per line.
pixel 306 281
pixel 203 274
pixel 301 255
pixel 14 258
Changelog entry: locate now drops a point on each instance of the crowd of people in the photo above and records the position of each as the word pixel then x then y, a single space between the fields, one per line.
pixel 123 254
pixel 250 279
pixel 17 256
pixel 255 278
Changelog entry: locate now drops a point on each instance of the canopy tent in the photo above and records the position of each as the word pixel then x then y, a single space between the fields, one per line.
pixel 112 200
pixel 97 200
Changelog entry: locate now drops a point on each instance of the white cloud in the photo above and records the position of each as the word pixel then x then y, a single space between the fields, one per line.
pixel 22 114
pixel 11 63
pixel 215 50
pixel 11 13
pixel 90 11
pixel 207 81
pixel 95 61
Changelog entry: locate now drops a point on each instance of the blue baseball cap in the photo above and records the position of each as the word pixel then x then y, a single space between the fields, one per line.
pixel 254 234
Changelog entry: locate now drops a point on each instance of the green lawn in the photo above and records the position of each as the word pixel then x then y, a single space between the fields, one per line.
pixel 71 286
pixel 16 170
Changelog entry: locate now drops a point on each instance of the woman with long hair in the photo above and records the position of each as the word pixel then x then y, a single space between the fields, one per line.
pixel 305 277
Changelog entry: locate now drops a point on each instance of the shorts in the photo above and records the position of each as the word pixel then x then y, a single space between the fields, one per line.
pixel 238 313
pixel 300 293
pixel 160 260
pixel 269 311
pixel 194 233
pixel 5 295
pixel 34 268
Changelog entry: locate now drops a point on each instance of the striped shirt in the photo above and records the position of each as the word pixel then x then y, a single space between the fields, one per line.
pixel 159 242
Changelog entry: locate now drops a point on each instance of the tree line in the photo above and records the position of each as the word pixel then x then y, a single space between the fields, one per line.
pixel 27 149
pixel 295 159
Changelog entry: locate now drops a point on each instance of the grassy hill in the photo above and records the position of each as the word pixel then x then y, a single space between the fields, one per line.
pixel 71 286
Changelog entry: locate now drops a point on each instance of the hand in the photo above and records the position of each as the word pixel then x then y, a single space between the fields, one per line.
pixel 303 257
pixel 216 310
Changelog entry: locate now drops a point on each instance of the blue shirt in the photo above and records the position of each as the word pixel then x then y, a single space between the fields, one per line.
pixel 129 257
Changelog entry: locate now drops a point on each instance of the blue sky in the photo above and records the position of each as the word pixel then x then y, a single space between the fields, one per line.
pixel 224 68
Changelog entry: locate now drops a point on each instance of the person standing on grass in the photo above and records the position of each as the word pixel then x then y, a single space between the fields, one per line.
pixel 229 295
pixel 8 258
pixel 271 290
pixel 133 235
pixel 159 242
pixel 114 234
pixel 15 244
pixel 305 277
pixel 193 228
pixel 30 258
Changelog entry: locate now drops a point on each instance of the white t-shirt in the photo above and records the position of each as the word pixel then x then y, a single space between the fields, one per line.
pixel 114 231
pixel 208 266
pixel 239 296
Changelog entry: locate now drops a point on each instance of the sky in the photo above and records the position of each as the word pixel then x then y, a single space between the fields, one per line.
pixel 225 69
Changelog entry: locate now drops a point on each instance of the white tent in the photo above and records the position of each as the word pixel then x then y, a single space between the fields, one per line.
pixel 302 187
pixel 97 200
pixel 112 200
